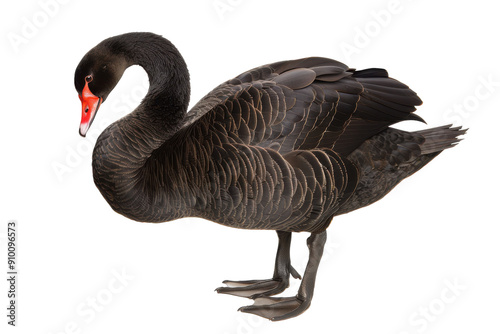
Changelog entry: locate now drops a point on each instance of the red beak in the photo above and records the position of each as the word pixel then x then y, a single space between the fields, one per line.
pixel 90 104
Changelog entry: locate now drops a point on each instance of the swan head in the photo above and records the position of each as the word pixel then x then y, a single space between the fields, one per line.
pixel 95 77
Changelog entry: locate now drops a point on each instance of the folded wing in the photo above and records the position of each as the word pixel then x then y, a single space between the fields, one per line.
pixel 305 104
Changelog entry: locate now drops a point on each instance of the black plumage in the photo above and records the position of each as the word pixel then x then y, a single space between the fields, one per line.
pixel 285 146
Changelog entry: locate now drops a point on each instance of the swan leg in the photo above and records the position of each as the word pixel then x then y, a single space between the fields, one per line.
pixel 276 309
pixel 266 287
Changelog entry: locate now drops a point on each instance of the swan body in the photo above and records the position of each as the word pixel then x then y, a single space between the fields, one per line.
pixel 285 147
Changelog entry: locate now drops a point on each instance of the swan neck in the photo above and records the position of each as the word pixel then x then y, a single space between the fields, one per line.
pixel 166 102
pixel 126 155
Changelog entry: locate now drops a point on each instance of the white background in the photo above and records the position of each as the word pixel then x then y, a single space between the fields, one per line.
pixel 385 265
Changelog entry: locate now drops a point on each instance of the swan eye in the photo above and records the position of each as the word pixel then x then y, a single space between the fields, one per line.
pixel 88 78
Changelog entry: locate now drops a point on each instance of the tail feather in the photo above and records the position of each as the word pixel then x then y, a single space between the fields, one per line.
pixel 440 138
pixel 389 157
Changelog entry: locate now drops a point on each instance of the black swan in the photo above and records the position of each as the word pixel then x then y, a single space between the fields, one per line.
pixel 285 147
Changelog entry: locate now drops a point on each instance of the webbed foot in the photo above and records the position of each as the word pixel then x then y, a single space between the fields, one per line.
pixel 267 287
pixel 258 288
pixel 281 308
pixel 276 309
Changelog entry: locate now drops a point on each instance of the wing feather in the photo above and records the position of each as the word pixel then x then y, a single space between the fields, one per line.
pixel 305 104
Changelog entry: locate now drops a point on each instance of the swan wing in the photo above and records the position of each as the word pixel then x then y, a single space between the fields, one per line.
pixel 305 104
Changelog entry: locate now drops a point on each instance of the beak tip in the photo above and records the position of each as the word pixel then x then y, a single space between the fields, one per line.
pixel 82 132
